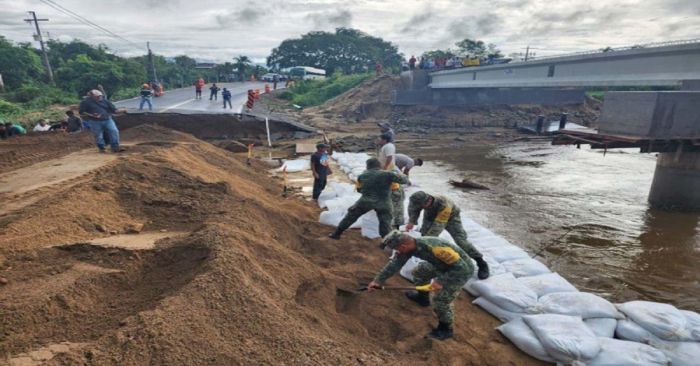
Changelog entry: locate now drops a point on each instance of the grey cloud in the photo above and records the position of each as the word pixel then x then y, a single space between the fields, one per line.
pixel 475 27
pixel 245 16
pixel 331 19
pixel 418 21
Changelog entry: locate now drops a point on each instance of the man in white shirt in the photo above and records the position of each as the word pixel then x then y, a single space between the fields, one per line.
pixel 42 126
pixel 386 152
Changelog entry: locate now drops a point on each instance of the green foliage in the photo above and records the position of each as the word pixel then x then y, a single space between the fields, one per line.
pixel 439 54
pixel 347 50
pixel 9 108
pixel 477 48
pixel 308 93
pixel 241 64
pixel 19 64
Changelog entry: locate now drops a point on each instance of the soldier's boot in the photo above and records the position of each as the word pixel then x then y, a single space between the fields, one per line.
pixel 422 298
pixel 442 332
pixel 483 272
pixel 335 234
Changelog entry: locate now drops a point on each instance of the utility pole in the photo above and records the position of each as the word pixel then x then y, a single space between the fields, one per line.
pixel 36 21
pixel 151 63
pixel 527 52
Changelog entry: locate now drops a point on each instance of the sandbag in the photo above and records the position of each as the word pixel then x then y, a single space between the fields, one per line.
pixel 333 218
pixel 693 326
pixel 370 225
pixel 661 320
pixel 525 339
pixel 614 352
pixel 297 165
pixel 504 253
pixel 325 196
pixel 583 304
pixel 565 338
pixel 493 309
pixel 679 353
pixel 408 268
pixel 602 327
pixel 547 283
pixel 525 267
pixel 506 292
pixel 342 203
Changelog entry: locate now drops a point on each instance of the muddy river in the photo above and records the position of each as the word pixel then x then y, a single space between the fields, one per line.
pixel 585 213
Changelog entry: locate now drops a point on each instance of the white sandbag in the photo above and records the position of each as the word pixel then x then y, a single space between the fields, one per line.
pixel 583 304
pixel 602 327
pixel 565 338
pixel 493 309
pixel 325 196
pixel 333 218
pixel 614 352
pixel 547 283
pixel 662 320
pixel 342 203
pixel 495 268
pixel 506 292
pixel 407 269
pixel 504 253
pixel 693 325
pixel 525 339
pixel 525 267
pixel 490 242
pixel 679 353
pixel 297 165
pixel 469 287
pixel 370 225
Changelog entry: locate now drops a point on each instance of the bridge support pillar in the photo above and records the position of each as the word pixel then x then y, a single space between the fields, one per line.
pixel 676 181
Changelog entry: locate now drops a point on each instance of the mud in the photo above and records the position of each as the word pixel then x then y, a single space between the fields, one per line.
pixel 248 277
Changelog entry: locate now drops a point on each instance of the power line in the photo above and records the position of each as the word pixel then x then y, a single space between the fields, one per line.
pixel 87 22
pixel 39 37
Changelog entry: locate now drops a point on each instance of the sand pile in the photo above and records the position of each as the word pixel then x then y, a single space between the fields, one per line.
pixel 254 282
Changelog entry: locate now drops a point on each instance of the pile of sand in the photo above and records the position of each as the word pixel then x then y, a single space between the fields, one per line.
pixel 254 282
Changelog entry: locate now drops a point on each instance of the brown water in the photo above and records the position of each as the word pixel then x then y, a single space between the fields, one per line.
pixel 585 212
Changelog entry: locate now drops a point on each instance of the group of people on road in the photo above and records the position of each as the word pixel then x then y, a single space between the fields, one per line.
pixel 446 267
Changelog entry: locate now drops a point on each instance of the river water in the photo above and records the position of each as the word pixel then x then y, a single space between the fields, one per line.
pixel 585 212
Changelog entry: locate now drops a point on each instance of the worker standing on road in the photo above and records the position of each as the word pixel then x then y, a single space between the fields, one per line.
pixel 441 214
pixel 146 95
pixel 405 163
pixel 198 88
pixel 214 92
pixel 226 95
pixel 444 271
pixel 97 112
pixel 320 167
pixel 275 80
pixel 375 186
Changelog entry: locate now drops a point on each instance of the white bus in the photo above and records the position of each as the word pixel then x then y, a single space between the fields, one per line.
pixel 305 72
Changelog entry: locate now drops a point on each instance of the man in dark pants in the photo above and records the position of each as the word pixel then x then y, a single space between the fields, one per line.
pixel 214 92
pixel 321 169
pixel 226 94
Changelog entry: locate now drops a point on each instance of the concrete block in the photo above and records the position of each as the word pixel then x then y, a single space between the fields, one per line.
pixel 658 115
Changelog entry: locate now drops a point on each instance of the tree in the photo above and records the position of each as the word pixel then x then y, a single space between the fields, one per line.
pixel 346 50
pixel 439 54
pixel 241 64
pixel 19 64
pixel 477 49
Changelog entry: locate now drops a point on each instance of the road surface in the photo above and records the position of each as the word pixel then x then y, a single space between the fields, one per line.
pixel 182 100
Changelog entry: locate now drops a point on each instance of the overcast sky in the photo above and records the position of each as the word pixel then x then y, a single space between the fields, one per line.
pixel 221 29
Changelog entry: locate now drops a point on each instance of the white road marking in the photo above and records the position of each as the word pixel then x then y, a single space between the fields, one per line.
pixel 175 105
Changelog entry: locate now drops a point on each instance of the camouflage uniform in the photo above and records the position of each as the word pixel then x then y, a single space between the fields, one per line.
pixel 442 215
pixel 375 186
pixel 397 198
pixel 445 262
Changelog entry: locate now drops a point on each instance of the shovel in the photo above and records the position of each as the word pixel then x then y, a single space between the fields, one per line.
pixel 391 288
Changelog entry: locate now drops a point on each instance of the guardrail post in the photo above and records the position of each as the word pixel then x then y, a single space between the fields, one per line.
pixel 540 124
pixel 562 121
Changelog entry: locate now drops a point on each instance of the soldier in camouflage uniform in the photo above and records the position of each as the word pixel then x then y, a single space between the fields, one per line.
pixel 397 198
pixel 446 268
pixel 439 213
pixel 375 186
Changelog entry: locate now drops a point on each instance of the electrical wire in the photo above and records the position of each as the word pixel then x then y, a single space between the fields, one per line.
pixel 87 22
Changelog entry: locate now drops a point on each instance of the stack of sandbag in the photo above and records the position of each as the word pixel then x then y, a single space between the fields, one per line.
pixel 297 165
pixel 568 340
pixel 674 332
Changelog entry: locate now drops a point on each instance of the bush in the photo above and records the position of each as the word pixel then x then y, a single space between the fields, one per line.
pixel 9 108
pixel 307 93
pixel 125 93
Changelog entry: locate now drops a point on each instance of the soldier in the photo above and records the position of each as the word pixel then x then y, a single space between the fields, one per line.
pixel 375 186
pixel 445 270
pixel 442 214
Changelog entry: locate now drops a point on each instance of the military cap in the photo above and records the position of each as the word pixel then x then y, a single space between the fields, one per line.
pixel 393 239
pixel 419 198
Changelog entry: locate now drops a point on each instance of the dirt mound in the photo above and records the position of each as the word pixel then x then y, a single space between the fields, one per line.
pixel 371 100
pixel 22 151
pixel 255 282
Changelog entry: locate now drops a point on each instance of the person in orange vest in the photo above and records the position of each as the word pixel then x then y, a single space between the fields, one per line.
pixel 198 88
